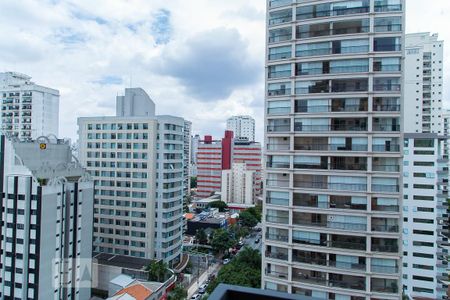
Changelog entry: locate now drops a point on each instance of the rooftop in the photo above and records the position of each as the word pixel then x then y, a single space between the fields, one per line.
pixel 121 261
pixel 232 292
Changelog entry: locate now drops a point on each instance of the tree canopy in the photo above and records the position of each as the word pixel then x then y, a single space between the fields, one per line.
pixel 243 270
pixel 178 293
pixel 247 219
pixel 201 236
pixel 157 271
pixel 222 206
pixel 221 240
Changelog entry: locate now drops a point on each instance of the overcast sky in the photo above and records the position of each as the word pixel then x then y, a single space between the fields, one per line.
pixel 199 59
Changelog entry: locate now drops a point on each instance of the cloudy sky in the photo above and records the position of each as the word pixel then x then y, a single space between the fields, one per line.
pixel 200 59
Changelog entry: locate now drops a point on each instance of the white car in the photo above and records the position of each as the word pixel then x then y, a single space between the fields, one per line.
pixel 202 289
pixel 226 261
pixel 196 297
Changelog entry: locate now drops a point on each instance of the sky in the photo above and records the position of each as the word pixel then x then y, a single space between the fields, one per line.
pixel 199 59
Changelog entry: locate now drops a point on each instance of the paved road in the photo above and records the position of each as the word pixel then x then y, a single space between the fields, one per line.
pixel 250 242
pixel 213 269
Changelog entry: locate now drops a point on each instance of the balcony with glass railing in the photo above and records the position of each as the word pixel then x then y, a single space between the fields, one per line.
pixel 385 225
pixel 280 35
pixel 280 17
pixel 381 285
pixel 385 245
pixel 320 259
pixel 334 280
pixel 279 3
pixel 277 253
pixel 277 235
pixel 319 220
pixel 385 205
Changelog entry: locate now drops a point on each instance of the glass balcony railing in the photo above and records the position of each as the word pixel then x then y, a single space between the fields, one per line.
pixel 386 127
pixel 385 228
pixel 388 7
pixel 384 248
pixel 284 55
pixel 384 269
pixel 279 128
pixel 277 237
pixel 280 38
pixel 329 263
pixel 323 128
pixel 330 147
pixel 330 186
pixel 279 3
pixel 385 188
pixel 385 168
pixel 279 74
pixel 333 225
pixel 279 92
pixel 277 255
pixel 278 147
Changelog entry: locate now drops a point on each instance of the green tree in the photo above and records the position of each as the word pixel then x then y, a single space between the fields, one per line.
pixel 201 236
pixel 222 206
pixel 178 293
pixel 238 231
pixel 256 212
pixel 157 271
pixel 193 182
pixel 244 270
pixel 221 240
pixel 247 219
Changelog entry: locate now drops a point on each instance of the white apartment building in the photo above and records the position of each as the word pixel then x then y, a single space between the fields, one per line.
pixel 46 221
pixel 242 126
pixel 424 82
pixel 332 223
pixel 425 225
pixel 137 160
pixel 187 157
pixel 237 185
pixel 28 110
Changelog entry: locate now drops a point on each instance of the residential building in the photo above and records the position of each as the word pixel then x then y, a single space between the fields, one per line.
pixel 28 110
pixel 237 185
pixel 195 142
pixel 334 151
pixel 215 156
pixel 137 159
pixel 424 82
pixel 425 215
pixel 46 221
pixel 242 126
pixel 446 121
pixel 187 158
pixel 234 292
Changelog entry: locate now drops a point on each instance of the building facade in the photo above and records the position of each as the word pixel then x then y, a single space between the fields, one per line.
pixel 425 215
pixel 187 130
pixel 242 126
pixel 46 221
pixel 237 185
pixel 215 156
pixel 137 160
pixel 28 110
pixel 334 142
pixel 424 83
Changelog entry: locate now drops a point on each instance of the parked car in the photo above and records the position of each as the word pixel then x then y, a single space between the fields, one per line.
pixel 226 261
pixel 202 289
pixel 257 241
pixel 196 297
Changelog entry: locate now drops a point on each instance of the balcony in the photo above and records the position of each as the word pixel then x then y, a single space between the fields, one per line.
pixel 386 148
pixel 337 241
pixel 385 168
pixel 328 263
pixel 277 255
pixel 278 147
pixel 278 183
pixel 280 38
pixel 330 108
pixel 385 188
pixel 387 87
pixel 277 237
pixel 387 108
pixel 385 228
pixel 277 274
pixel 386 127
pixel 336 280
pixel 324 128
pixel 278 74
pixel 279 3
pixel 330 186
pixel 279 128
pixel 336 202
pixel 279 92
pixel 388 8
pixel 384 269
pixel 384 245
pixel 388 286
pixel 330 147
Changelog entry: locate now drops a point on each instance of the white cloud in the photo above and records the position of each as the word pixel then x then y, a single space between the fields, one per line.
pixel 75 45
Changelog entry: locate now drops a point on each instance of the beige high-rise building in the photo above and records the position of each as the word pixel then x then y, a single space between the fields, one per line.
pixel 332 218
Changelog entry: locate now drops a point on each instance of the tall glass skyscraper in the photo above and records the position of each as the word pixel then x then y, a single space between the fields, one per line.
pixel 332 218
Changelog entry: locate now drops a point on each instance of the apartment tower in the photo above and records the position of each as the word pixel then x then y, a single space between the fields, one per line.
pixel 45 221
pixel 425 171
pixel 424 83
pixel 28 110
pixel 242 126
pixel 332 219
pixel 137 161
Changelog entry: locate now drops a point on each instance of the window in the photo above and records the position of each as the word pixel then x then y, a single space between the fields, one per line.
pixel 424 221
pixel 387 44
pixel 424 143
pixel 423 232
pixel 423 255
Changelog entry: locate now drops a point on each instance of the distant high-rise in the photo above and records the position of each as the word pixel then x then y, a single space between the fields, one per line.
pixel 137 159
pixel 425 171
pixel 28 110
pixel 238 185
pixel 424 83
pixel 242 126
pixel 332 211
pixel 214 156
pixel 187 148
pixel 46 221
